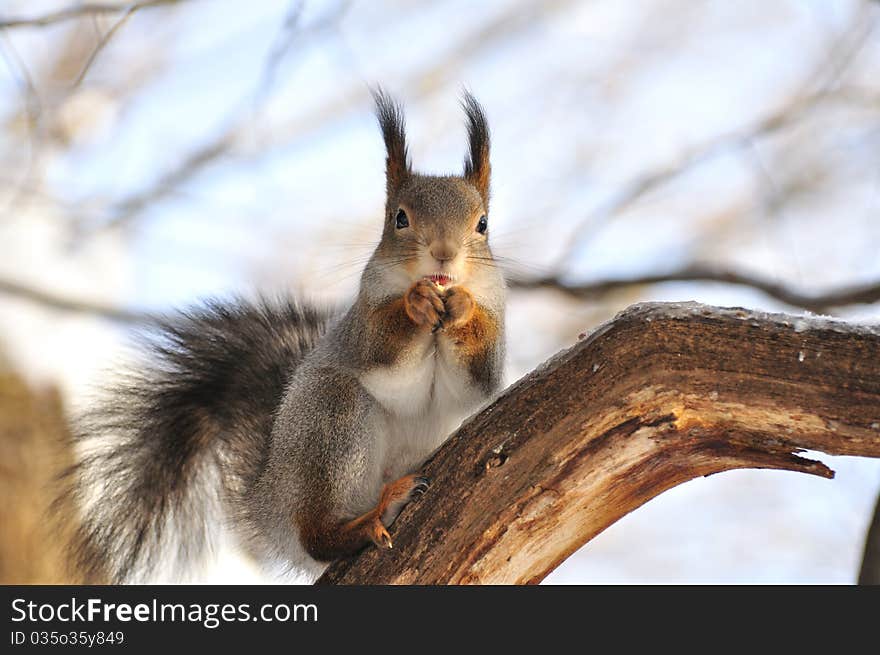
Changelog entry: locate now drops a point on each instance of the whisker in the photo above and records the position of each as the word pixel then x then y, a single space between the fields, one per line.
pixel 380 264
pixel 510 266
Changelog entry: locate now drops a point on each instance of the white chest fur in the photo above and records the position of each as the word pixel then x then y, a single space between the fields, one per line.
pixel 425 396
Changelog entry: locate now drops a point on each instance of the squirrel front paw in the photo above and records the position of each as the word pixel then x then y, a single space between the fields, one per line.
pixel 459 305
pixel 423 304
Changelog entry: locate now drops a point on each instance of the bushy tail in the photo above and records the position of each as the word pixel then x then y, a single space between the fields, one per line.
pixel 188 433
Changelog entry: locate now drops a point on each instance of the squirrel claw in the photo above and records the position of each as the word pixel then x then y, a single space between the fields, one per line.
pixel 381 537
pixel 437 326
pixel 421 487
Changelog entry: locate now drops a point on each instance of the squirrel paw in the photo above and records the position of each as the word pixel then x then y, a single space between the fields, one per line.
pixel 380 535
pixel 396 495
pixel 459 305
pixel 423 304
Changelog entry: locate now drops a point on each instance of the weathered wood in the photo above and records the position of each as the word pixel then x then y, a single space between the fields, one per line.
pixel 661 394
pixel 34 446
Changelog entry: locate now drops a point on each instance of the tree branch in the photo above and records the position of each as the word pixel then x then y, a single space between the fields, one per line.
pixel 422 80
pixel 662 394
pixel 56 301
pixel 828 70
pixel 80 11
pixel 102 43
pixel 818 303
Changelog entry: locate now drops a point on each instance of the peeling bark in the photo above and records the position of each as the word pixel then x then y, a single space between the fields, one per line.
pixel 662 394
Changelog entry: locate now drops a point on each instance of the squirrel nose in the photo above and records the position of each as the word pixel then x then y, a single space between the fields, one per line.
pixel 443 252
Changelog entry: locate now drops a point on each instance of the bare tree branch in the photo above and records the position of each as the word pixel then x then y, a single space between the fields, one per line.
pixel 519 17
pixel 283 43
pixel 102 43
pixel 168 183
pixel 80 11
pixel 32 108
pixel 652 180
pixel 223 143
pixel 827 72
pixel 56 301
pixel 662 394
pixel 817 303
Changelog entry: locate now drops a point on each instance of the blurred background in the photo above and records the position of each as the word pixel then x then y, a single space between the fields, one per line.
pixel 153 153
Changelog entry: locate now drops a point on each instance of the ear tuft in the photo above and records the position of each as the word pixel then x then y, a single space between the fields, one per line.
pixel 391 122
pixel 476 164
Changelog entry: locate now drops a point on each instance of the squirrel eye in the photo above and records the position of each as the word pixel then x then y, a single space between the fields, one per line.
pixel 482 224
pixel 401 220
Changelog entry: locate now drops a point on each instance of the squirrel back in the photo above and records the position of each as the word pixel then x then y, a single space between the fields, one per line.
pixel 191 426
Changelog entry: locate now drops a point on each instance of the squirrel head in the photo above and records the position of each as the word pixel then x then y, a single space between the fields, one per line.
pixel 435 227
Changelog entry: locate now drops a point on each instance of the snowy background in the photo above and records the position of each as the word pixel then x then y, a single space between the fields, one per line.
pixel 208 147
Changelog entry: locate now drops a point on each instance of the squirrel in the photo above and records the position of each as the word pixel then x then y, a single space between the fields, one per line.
pixel 302 428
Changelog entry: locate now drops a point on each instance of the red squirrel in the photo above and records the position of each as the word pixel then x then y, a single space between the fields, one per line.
pixel 302 429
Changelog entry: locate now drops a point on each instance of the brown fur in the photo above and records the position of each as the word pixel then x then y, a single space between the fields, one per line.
pixel 391 329
pixel 471 329
pixel 424 304
pixel 460 307
pixel 474 338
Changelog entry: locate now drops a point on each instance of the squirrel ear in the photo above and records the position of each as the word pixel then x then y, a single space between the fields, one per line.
pixel 391 122
pixel 476 164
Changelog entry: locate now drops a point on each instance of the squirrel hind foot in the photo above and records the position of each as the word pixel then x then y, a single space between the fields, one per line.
pixel 326 540
pixel 379 534
pixel 396 495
